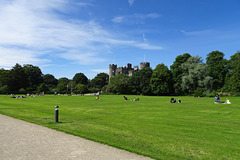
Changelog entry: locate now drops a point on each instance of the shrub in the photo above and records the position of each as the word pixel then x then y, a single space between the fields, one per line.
pixel 198 92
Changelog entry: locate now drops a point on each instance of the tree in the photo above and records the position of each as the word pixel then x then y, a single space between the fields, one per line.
pixel 140 81
pixel 63 84
pixel 234 80
pixel 176 66
pixel 217 68
pixel 177 71
pixel 82 88
pixel 16 79
pixel 3 77
pixel 80 78
pixel 4 89
pixel 43 88
pixel 64 80
pixel 161 81
pixel 99 81
pixel 71 86
pixel 119 84
pixel 195 75
pixel 49 79
pixel 34 76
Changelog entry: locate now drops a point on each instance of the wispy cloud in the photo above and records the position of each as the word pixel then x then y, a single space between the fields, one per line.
pixel 11 56
pixel 35 29
pixel 135 18
pixel 144 38
pixel 131 2
pixel 118 19
pixel 195 33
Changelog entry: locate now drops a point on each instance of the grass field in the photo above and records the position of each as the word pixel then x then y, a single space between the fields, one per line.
pixel 194 129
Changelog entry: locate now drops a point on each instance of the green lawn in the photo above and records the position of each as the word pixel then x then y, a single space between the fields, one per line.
pixel 194 129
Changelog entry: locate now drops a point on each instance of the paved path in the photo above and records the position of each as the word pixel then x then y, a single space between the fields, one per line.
pixel 20 140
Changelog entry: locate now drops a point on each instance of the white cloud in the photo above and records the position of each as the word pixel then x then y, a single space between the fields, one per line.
pixel 147 46
pixel 130 2
pixel 144 37
pixel 83 58
pixel 33 30
pixel 118 19
pixel 135 18
pixel 9 57
pixel 194 33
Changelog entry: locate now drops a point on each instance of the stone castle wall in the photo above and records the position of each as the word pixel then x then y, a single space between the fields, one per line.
pixel 128 70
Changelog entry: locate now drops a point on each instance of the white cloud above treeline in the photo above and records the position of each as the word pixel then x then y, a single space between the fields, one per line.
pixel 34 32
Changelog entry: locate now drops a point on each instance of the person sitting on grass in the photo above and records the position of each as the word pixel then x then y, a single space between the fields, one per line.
pixel 217 99
pixel 227 101
pixel 97 98
pixel 179 101
pixel 135 99
pixel 125 98
pixel 173 100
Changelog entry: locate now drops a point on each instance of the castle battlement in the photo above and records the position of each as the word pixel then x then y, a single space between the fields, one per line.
pixel 128 70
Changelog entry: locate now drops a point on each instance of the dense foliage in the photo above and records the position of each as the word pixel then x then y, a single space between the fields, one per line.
pixel 188 75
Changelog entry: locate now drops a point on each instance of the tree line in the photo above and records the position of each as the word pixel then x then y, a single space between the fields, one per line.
pixel 188 75
pixel 30 79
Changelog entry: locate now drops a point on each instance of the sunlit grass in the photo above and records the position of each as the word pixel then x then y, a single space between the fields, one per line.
pixel 194 129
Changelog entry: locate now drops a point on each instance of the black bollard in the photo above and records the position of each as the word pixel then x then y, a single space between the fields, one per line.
pixel 56 114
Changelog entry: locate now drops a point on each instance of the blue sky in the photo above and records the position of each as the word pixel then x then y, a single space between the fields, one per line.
pixel 65 37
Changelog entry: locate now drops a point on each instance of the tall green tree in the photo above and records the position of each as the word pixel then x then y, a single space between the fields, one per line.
pixel 3 77
pixel 3 81
pixel 34 76
pixel 49 79
pixel 81 88
pixel 217 68
pixel 99 81
pixel 119 84
pixel 63 85
pixel 162 80
pixel 80 78
pixel 64 80
pixel 140 81
pixel 234 80
pixel 195 75
pixel 176 69
pixel 43 88
pixel 17 79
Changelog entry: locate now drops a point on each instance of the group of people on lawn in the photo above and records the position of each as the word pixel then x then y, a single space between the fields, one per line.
pixel 126 99
pixel 217 100
pixel 173 100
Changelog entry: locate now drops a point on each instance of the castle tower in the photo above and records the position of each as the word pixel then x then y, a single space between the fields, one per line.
pixel 112 70
pixel 144 64
pixel 129 66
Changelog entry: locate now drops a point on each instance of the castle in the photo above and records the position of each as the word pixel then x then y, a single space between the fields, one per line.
pixel 113 70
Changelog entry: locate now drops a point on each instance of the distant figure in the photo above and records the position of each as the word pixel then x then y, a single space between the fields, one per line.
pixel 98 94
pixel 125 98
pixel 227 101
pixel 179 101
pixel 217 98
pixel 135 99
pixel 97 98
pixel 173 100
